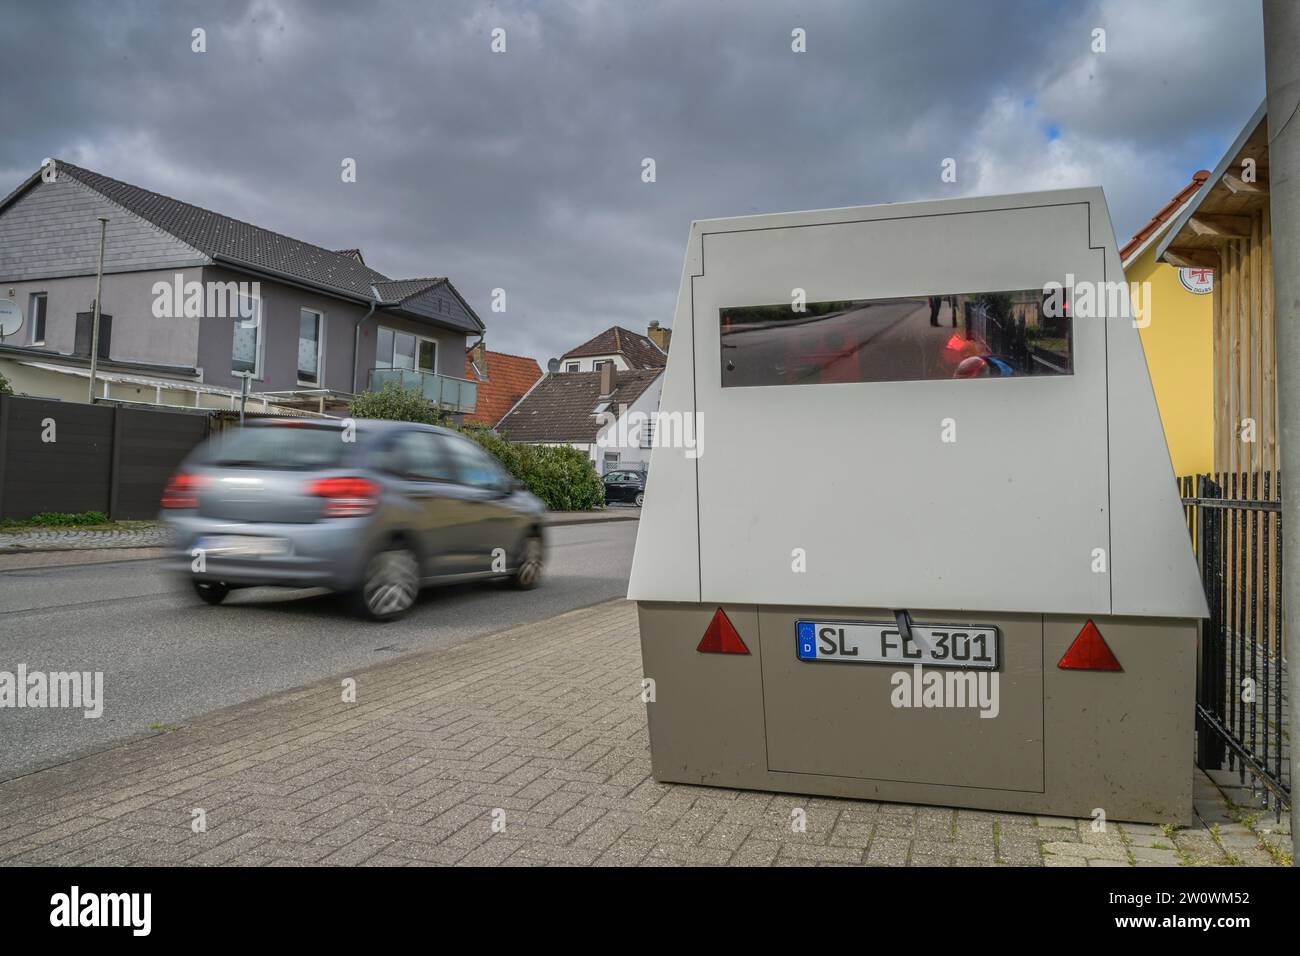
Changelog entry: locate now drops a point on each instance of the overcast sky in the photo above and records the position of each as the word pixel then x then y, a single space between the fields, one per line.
pixel 522 170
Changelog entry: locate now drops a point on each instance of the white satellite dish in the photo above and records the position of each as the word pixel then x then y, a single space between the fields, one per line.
pixel 11 317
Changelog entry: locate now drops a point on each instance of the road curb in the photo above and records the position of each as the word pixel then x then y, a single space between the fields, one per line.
pixel 29 559
pixel 559 519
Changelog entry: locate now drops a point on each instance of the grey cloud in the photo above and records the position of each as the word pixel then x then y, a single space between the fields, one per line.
pixel 522 170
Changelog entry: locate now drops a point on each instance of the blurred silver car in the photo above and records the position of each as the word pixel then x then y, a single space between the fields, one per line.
pixel 376 511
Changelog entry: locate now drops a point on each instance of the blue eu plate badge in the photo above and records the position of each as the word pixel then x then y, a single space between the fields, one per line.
pixel 807 640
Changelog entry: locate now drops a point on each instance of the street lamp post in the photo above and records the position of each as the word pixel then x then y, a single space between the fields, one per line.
pixel 94 322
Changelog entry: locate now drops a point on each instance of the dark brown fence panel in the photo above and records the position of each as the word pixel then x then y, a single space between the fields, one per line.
pixel 104 457
pixel 147 447
pixel 71 473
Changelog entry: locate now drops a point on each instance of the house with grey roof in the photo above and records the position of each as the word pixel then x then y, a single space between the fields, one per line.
pixel 607 413
pixel 310 326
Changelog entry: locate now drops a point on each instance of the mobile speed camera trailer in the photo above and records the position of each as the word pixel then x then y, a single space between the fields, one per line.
pixel 927 546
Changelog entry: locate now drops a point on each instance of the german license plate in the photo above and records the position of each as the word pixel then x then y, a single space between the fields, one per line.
pixel 870 642
pixel 243 546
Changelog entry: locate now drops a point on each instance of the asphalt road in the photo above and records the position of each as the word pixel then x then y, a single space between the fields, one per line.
pixel 167 657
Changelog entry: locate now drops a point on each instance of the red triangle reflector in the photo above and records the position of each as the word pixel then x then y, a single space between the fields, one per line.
pixel 1089 652
pixel 721 637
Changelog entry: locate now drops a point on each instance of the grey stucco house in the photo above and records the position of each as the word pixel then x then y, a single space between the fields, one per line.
pixel 318 326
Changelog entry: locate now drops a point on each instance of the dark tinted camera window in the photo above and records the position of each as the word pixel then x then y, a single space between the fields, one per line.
pixel 292 447
pixel 984 335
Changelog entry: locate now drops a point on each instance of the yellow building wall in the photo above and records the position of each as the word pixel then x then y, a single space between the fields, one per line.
pixel 1179 346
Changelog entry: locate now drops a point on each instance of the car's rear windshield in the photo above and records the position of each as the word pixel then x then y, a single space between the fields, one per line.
pixel 287 447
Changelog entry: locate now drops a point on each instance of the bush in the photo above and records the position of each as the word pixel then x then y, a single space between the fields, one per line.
pixel 396 404
pixel 5 387
pixel 563 477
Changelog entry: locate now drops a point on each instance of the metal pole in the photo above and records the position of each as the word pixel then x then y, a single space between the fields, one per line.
pixel 1282 74
pixel 94 323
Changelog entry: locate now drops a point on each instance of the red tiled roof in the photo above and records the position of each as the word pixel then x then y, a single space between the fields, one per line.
pixel 508 378
pixel 636 348
pixel 1167 212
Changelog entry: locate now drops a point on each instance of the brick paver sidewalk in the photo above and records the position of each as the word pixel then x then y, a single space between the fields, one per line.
pixel 541 728
pixel 155 536
pixel 84 539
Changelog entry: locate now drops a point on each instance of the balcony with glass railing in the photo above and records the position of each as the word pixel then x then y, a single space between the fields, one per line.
pixel 445 391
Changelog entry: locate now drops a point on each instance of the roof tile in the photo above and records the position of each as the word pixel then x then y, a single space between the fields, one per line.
pixel 1166 213
pixel 637 349
pixel 561 407
pixel 509 377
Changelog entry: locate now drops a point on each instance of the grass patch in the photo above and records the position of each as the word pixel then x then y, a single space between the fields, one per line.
pixel 80 521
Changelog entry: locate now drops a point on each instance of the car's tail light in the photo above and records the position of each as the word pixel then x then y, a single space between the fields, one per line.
pixel 182 490
pixel 345 497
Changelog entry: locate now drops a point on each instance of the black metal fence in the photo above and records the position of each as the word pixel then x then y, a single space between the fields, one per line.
pixel 1235 522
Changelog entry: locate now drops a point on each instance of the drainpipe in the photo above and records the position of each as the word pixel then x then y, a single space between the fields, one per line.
pixel 1282 76
pixel 356 339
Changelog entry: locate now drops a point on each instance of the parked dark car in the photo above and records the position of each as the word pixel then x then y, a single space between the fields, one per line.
pixel 377 511
pixel 625 486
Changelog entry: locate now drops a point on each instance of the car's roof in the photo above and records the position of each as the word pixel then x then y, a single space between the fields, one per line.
pixel 370 425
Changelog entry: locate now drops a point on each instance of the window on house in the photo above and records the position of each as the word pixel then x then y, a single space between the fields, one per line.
pixel 597 365
pixel 403 350
pixel 246 351
pixel 310 337
pixel 602 407
pixel 36 315
pixel 394 349
pixel 648 433
pixel 572 366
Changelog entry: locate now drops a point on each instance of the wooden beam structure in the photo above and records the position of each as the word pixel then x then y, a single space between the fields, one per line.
pixel 1192 258
pixel 1218 226
pixel 1240 187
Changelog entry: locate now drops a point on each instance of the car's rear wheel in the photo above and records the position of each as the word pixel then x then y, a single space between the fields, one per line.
pixel 390 585
pixel 528 571
pixel 211 592
pixel 639 500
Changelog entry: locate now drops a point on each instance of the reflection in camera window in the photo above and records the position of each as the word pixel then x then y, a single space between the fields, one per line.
pixel 982 335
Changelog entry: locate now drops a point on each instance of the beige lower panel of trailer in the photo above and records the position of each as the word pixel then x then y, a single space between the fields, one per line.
pixel 1119 742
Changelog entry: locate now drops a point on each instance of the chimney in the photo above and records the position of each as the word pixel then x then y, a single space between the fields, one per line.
pixel 607 379
pixel 478 355
pixel 659 335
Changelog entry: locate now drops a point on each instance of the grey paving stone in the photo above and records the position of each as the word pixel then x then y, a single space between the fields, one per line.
pixel 411 777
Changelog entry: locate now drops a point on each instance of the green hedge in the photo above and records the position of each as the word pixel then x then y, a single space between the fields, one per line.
pixel 563 477
pixel 560 475
pixel 395 404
